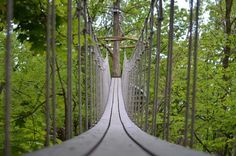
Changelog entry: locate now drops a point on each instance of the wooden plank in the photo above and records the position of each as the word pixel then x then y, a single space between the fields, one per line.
pixel 84 143
pixel 150 143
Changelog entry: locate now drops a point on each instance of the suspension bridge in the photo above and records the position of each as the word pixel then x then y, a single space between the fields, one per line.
pixel 117 108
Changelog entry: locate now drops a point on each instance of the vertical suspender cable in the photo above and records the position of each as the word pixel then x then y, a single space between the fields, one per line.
pixel 85 62
pixel 98 91
pixel 90 73
pixel 54 70
pixel 134 89
pixel 195 52
pixel 149 63
pixel 137 91
pixel 94 89
pixel 141 93
pixel 143 78
pixel 101 90
pixel 157 67
pixel 130 95
pixel 188 75
pixel 7 101
pixel 69 72
pixel 145 63
pixel 48 73
pixel 132 92
pixel 129 92
pixel 79 67
pixel 169 74
pixel 139 74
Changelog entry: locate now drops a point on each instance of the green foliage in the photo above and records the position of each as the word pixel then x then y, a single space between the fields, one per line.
pixel 215 129
pixel 30 18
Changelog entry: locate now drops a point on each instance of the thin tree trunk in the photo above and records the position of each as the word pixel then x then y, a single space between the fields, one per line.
pixel 227 49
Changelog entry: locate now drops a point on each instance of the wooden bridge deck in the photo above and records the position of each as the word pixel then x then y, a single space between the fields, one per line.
pixel 115 135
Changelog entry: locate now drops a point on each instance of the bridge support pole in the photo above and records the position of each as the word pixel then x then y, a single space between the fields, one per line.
pixel 116 31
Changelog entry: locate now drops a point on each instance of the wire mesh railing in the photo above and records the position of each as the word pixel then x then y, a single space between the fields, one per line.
pixel 83 104
pixel 147 91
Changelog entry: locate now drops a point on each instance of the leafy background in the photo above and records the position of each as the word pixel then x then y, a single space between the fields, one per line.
pixel 216 103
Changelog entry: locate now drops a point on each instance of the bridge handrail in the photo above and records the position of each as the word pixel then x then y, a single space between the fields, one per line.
pixel 85 143
pixel 154 145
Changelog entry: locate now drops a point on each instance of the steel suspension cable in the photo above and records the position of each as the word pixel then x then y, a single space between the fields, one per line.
pixel 85 62
pixel 137 91
pixel 132 93
pixel 94 90
pixel 143 77
pixel 54 101
pixel 194 89
pixel 145 86
pixel 169 74
pixel 47 92
pixel 139 75
pixel 157 67
pixel 141 90
pixel 149 62
pixel 98 92
pixel 7 95
pixel 90 73
pixel 69 72
pixel 102 90
pixel 93 86
pixel 188 75
pixel 79 66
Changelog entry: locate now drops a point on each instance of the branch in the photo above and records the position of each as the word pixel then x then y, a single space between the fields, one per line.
pixel 30 113
pixel 233 21
pixel 37 107
pixel 200 141
pixel 108 49
pixel 61 82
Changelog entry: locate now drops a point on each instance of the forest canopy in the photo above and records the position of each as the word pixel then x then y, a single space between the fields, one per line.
pixel 215 130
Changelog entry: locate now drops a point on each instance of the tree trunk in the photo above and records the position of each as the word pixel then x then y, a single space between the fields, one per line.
pixel 227 49
pixel 116 31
